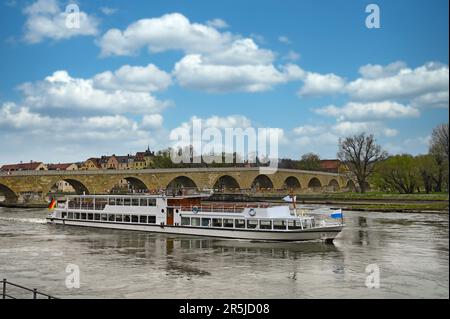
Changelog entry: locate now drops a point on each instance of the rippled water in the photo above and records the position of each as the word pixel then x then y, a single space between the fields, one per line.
pixel 411 251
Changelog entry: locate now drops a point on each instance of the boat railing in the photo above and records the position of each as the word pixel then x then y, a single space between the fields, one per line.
pixel 219 208
pixel 34 291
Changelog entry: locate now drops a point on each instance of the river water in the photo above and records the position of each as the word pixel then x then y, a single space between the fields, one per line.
pixel 409 250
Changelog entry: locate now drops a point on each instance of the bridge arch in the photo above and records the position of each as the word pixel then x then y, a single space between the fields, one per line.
pixel 10 195
pixel 226 182
pixel 181 182
pixel 333 184
pixel 78 187
pixel 291 182
pixel 261 182
pixel 314 183
pixel 129 184
pixel 350 185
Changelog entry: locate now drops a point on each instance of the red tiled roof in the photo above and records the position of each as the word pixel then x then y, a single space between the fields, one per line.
pixel 21 167
pixel 59 167
pixel 330 164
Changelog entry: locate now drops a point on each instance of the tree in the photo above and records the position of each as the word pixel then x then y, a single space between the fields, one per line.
pixel 360 153
pixel 439 150
pixel 309 162
pixel 427 168
pixel 399 173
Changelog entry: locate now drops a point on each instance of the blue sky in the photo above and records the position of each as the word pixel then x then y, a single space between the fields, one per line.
pixel 136 72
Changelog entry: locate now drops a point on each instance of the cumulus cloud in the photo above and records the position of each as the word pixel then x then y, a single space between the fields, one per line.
pixel 61 91
pixel 316 84
pixel 169 32
pixel 134 78
pixel 214 61
pixel 369 111
pixel 30 134
pixel 194 73
pixel 217 23
pixel 45 19
pixel 399 82
pixel 108 11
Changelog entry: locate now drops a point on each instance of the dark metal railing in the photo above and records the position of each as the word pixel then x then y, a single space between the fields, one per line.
pixel 34 291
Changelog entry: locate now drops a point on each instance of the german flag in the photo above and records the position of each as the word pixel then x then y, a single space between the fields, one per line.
pixel 52 204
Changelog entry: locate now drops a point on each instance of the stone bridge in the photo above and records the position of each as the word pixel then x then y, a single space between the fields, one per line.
pixel 24 186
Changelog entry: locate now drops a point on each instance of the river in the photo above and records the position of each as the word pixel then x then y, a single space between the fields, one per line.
pixel 409 250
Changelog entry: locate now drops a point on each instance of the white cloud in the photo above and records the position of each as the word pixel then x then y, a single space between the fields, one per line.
pixel 61 91
pixel 399 82
pixel 168 32
pixel 108 11
pixel 152 121
pixel 241 52
pixel 316 84
pixel 432 100
pixel 217 23
pixel 369 111
pixel 292 56
pixel 45 19
pixel 376 71
pixel 371 127
pixel 134 78
pixel 284 39
pixel 194 73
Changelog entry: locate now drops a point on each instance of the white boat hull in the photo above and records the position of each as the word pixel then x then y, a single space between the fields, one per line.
pixel 327 233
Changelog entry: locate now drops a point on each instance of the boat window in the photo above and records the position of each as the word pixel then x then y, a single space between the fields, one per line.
pixel 294 224
pixel 126 218
pixel 239 223
pixel 185 221
pixel 118 218
pixel 143 219
pixel 77 216
pixel 83 215
pixel 152 202
pixel 228 222
pixel 111 217
pixel 265 224
pixel 135 202
pixel 70 215
pixel 97 216
pixel 195 221
pixel 112 201
pixel 63 214
pixel 134 218
pixel 126 201
pixel 152 219
pixel 279 224
pixel 217 222
pixel 90 216
pixel 104 217
pixel 206 222
pixel 119 201
pixel 252 224
pixel 143 202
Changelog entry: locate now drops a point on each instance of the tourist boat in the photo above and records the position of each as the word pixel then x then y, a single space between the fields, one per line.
pixel 187 215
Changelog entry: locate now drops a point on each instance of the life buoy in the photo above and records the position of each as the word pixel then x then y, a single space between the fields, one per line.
pixel 252 212
pixel 195 209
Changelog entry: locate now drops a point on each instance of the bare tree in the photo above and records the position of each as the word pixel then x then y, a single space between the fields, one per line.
pixel 439 150
pixel 360 153
pixel 439 140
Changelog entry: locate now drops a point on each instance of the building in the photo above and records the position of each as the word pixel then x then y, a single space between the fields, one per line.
pixel 91 163
pixel 31 166
pixel 62 167
pixel 330 166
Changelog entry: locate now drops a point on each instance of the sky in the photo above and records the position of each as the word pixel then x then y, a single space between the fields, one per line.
pixel 133 74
